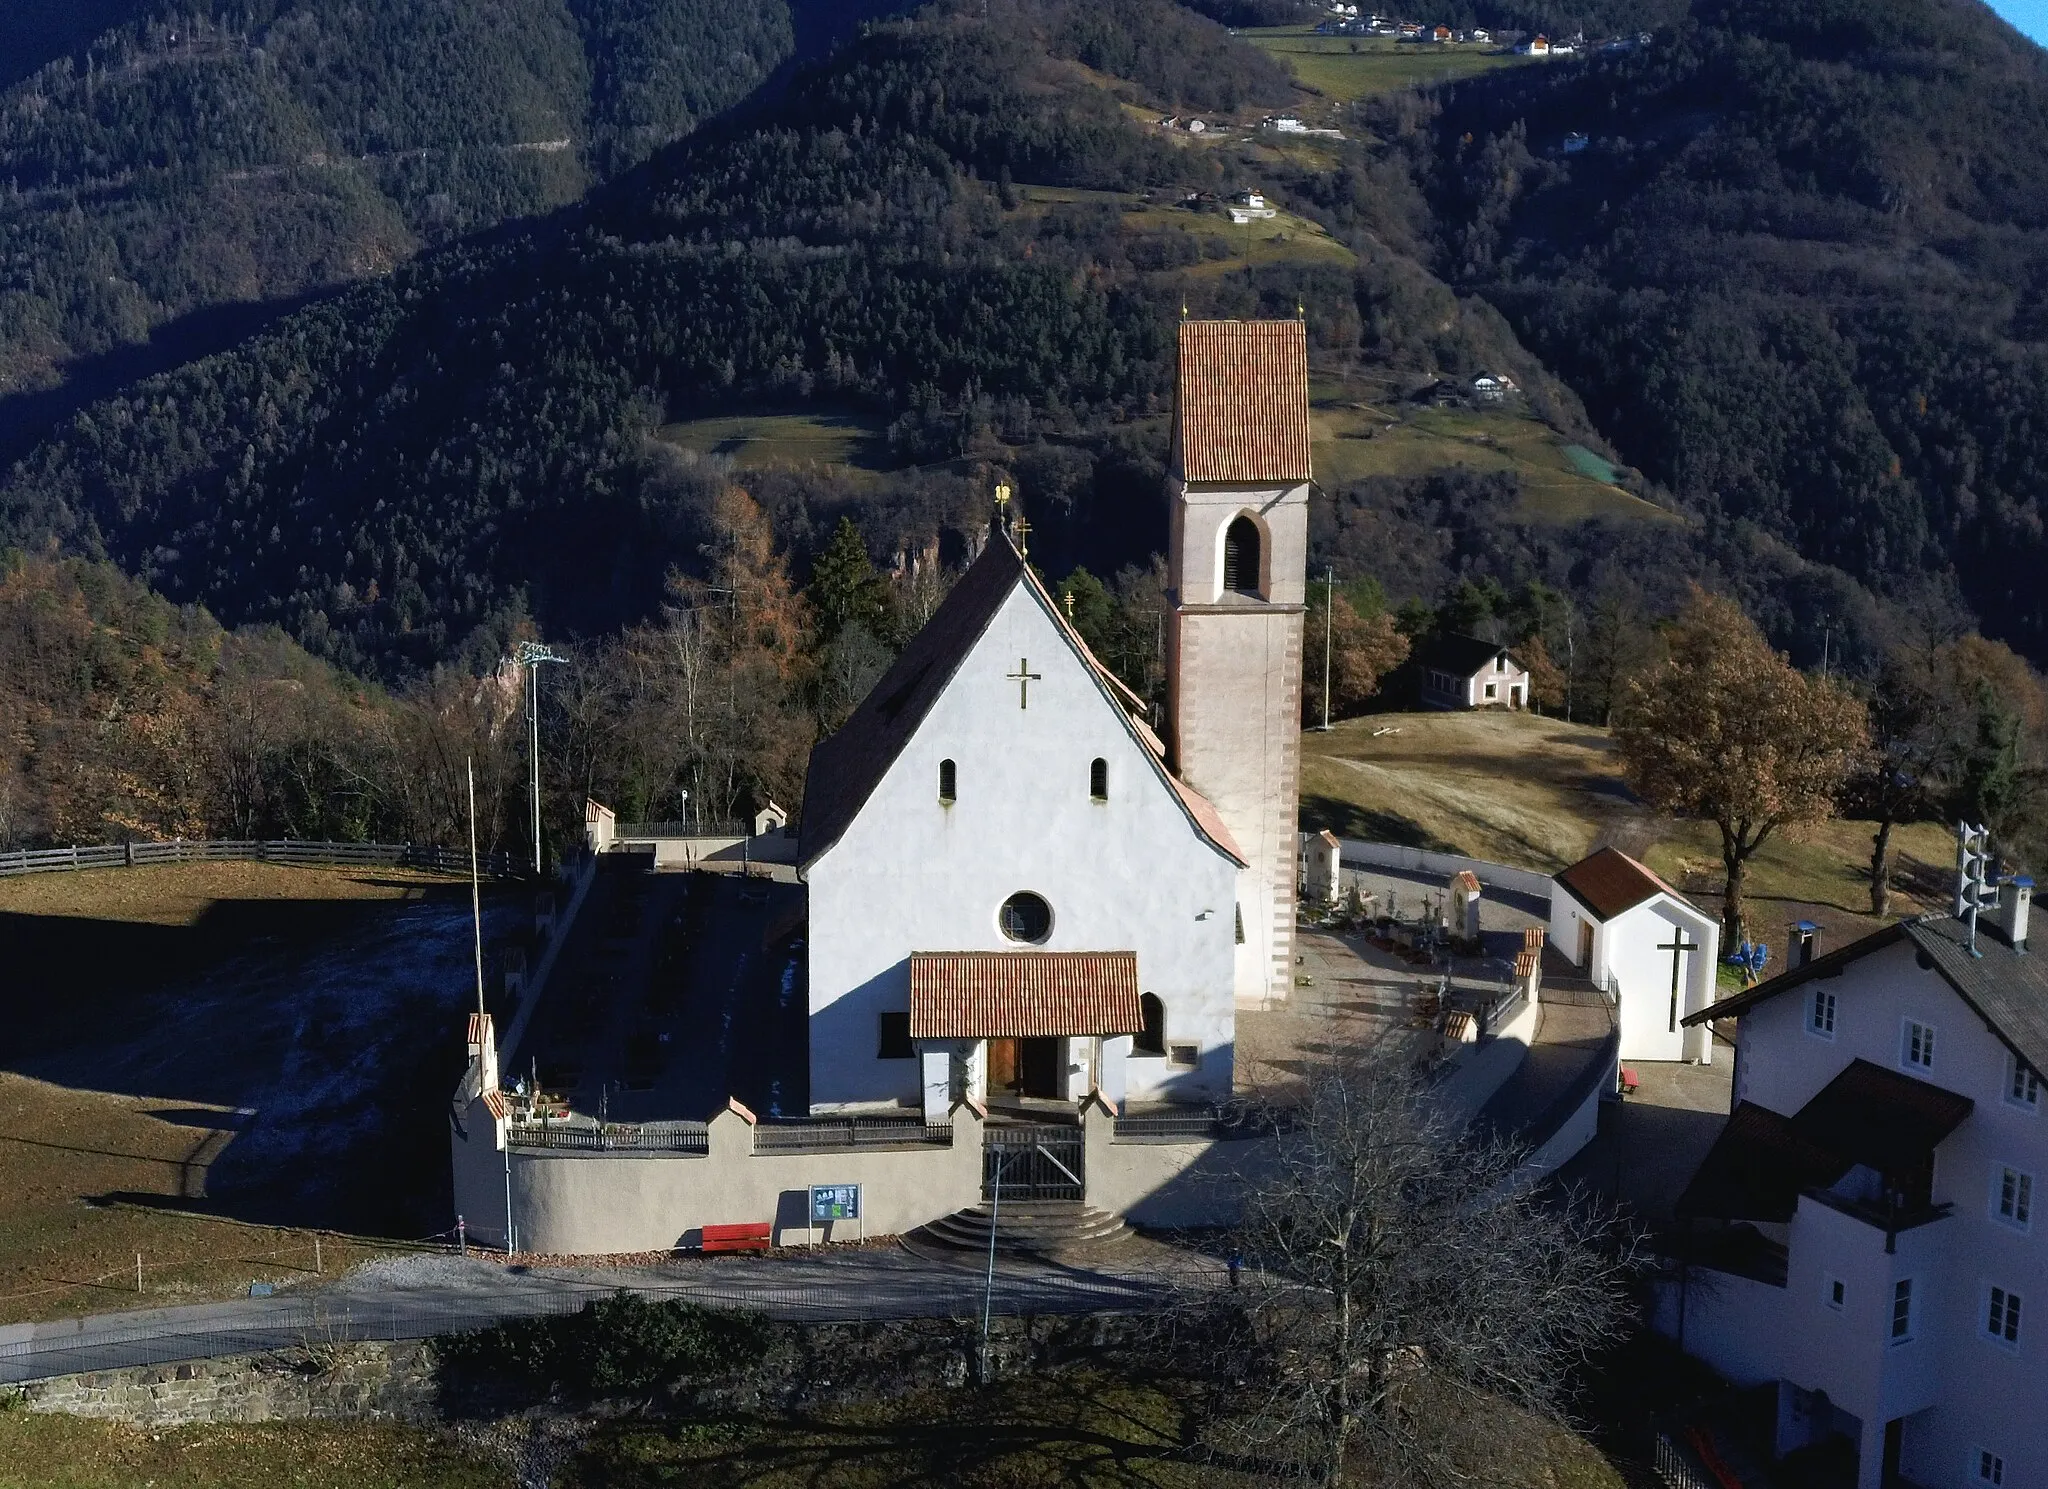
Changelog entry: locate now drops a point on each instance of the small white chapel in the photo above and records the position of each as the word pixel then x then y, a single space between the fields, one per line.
pixel 1018 889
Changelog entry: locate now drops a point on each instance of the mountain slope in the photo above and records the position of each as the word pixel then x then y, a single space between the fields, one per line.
pixel 1796 274
pixel 179 163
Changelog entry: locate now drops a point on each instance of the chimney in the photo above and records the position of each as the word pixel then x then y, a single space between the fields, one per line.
pixel 2015 897
pixel 1805 938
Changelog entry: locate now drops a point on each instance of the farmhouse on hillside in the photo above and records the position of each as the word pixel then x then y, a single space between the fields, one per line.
pixel 1645 944
pixel 1860 1236
pixel 1464 672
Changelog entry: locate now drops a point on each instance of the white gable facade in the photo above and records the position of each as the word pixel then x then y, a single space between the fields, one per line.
pixel 1024 719
pixel 1627 949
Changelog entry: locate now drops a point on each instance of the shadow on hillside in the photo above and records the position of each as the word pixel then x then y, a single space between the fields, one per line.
pixel 1348 819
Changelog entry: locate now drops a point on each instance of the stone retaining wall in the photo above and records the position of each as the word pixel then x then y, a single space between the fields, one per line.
pixel 374 1381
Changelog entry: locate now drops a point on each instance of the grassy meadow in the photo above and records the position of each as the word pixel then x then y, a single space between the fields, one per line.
pixel 1347 68
pixel 755 440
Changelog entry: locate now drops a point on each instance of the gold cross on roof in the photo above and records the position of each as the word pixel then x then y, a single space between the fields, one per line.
pixel 1020 530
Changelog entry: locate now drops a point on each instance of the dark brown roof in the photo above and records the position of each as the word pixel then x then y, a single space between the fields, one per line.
pixel 1879 1117
pixel 846 767
pixel 1462 656
pixel 1756 1169
pixel 2005 987
pixel 1241 401
pixel 1023 994
pixel 1609 882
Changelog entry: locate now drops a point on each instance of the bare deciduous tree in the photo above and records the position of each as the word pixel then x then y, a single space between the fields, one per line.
pixel 1401 1286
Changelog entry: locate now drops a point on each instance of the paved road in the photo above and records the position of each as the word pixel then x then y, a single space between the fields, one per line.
pixel 417 1297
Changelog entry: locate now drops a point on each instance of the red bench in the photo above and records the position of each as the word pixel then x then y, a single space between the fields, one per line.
pixel 750 1237
pixel 1629 1081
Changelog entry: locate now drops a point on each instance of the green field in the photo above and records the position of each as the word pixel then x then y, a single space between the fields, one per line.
pixel 1284 237
pixel 1345 68
pixel 1353 440
pixel 755 440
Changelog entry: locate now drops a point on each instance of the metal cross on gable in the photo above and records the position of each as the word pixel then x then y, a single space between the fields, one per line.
pixel 1023 677
pixel 1678 946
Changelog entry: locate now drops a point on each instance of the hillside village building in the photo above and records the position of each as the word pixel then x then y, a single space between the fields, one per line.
pixel 1459 672
pixel 1862 1232
pixel 1635 936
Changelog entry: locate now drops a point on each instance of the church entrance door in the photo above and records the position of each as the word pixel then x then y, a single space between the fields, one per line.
pixel 1024 1067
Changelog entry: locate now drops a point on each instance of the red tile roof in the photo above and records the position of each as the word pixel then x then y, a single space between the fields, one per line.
pixel 1241 401
pixel 1023 994
pixel 1609 882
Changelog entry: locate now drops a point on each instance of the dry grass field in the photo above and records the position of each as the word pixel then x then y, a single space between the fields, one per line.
pixel 1540 793
pixel 1346 68
pixel 55 1452
pixel 171 1024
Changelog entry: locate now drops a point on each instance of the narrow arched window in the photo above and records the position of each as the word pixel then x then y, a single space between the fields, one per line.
pixel 1098 780
pixel 946 782
pixel 1241 557
pixel 1151 1039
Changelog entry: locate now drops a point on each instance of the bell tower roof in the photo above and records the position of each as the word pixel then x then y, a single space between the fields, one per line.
pixel 1241 402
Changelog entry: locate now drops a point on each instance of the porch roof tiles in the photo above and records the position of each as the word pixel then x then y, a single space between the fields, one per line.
pixel 1023 994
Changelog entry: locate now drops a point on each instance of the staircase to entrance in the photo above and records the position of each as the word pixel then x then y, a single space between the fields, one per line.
pixel 1033 1195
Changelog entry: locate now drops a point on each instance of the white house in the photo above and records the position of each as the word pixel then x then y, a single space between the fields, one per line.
pixel 1862 1231
pixel 1249 206
pixel 1630 932
pixel 1015 888
pixel 1465 672
pixel 1536 46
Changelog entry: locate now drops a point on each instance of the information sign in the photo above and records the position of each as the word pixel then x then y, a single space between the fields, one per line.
pixel 831 1202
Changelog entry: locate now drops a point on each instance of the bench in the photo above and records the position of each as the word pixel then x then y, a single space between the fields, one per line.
pixel 1629 1081
pixel 752 1236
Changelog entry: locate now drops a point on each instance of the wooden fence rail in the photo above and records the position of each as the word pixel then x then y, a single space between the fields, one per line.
pixel 281 850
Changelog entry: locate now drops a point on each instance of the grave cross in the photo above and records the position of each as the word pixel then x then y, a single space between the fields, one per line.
pixel 1023 677
pixel 1678 946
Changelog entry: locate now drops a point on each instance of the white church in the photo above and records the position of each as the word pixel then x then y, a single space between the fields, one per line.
pixel 1017 890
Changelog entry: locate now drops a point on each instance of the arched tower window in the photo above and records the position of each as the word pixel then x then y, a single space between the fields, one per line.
pixel 946 781
pixel 1241 557
pixel 1151 1039
pixel 1098 779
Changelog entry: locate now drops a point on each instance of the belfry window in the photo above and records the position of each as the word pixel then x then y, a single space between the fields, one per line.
pixel 947 782
pixel 1098 780
pixel 1241 557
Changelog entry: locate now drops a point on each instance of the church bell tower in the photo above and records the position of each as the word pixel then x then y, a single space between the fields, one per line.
pixel 1238 486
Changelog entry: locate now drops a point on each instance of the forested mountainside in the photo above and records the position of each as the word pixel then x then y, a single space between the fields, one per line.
pixel 185 159
pixel 1796 270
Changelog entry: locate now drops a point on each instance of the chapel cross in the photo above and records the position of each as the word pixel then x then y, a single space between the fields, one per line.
pixel 1678 946
pixel 1023 677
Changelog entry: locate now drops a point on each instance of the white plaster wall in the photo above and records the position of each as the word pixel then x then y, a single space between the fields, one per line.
pixel 913 874
pixel 1987 1395
pixel 1421 860
pixel 1170 1183
pixel 1625 950
pixel 1566 916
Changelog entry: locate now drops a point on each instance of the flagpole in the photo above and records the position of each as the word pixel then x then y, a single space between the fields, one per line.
pixel 476 905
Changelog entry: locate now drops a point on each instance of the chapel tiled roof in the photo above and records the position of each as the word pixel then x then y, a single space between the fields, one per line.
pixel 1241 401
pixel 1609 882
pixel 1023 994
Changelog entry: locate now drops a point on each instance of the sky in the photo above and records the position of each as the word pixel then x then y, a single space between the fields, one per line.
pixel 2031 16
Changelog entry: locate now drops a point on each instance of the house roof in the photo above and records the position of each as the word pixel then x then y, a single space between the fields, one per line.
pixel 846 767
pixel 2006 988
pixel 1463 655
pixel 1023 994
pixel 1241 401
pixel 1608 882
pixel 1866 1114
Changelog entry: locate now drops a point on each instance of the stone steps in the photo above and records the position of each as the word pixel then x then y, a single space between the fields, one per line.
pixel 1032 1226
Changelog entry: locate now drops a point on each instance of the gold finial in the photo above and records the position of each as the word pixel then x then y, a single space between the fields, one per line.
pixel 1069 598
pixel 1003 507
pixel 1183 310
pixel 1019 531
pixel 1300 311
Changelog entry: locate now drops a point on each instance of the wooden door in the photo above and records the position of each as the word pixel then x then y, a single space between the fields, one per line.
pixel 1586 946
pixel 1002 1065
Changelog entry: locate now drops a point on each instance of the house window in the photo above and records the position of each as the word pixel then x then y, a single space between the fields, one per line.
pixel 1186 1056
pixel 1990 1467
pixel 2012 1196
pixel 1902 1311
pixel 1834 1292
pixel 948 781
pixel 894 1043
pixel 2022 1086
pixel 1151 1039
pixel 1490 690
pixel 1026 917
pixel 1820 1018
pixel 2002 1317
pixel 1241 557
pixel 1916 1045
pixel 1098 780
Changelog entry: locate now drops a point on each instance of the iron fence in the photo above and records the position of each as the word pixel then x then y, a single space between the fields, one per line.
pixel 276 850
pixel 829 1134
pixel 716 828
pixel 1032 1162
pixel 1679 1468
pixel 1197 1124
pixel 620 1137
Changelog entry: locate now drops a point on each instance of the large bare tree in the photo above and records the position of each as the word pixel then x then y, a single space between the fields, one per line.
pixel 1725 728
pixel 1401 1287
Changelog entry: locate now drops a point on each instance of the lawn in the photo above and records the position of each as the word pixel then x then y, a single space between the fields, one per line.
pixel 202 1063
pixel 1540 793
pixel 1353 440
pixel 1347 68
pixel 1285 237
pixel 756 440
pixel 58 1452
